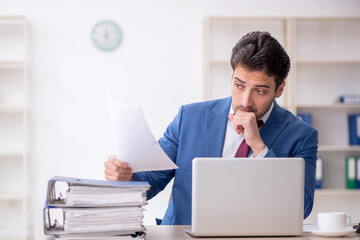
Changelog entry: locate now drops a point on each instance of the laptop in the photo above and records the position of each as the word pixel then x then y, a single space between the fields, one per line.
pixel 247 197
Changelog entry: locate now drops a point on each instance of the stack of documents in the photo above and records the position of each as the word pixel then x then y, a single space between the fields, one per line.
pixel 104 196
pixel 84 209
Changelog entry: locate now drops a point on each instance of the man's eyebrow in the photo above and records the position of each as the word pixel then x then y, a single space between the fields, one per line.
pixel 259 85
pixel 239 80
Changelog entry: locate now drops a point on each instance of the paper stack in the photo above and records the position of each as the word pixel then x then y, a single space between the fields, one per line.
pixel 96 209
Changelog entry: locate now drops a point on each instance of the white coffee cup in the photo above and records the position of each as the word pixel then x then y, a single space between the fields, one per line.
pixel 333 221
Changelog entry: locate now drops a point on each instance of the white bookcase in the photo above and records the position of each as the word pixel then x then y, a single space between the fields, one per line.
pixel 325 63
pixel 13 127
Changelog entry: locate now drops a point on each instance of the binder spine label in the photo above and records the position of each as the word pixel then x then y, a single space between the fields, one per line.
pixel 351 172
pixel 319 173
pixel 351 168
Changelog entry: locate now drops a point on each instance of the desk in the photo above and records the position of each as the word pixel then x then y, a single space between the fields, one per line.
pixel 177 232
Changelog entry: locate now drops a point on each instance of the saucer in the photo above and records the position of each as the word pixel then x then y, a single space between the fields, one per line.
pixel 347 231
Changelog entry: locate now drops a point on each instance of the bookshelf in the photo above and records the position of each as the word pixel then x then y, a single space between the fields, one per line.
pixel 325 58
pixel 13 127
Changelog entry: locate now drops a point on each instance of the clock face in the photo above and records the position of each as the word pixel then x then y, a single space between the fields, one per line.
pixel 106 35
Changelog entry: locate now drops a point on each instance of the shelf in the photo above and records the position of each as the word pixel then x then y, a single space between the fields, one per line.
pixel 14 127
pixel 220 62
pixel 11 108
pixel 11 154
pixel 333 148
pixel 11 233
pixel 338 192
pixel 227 61
pixel 11 196
pixel 12 238
pixel 325 61
pixel 330 106
pixel 10 17
pixel 12 64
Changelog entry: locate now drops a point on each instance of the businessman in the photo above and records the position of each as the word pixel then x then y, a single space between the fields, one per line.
pixel 249 123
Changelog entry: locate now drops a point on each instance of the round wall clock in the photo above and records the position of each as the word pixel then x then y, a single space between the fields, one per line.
pixel 106 35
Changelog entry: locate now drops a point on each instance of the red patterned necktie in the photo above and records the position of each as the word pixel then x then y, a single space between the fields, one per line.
pixel 244 149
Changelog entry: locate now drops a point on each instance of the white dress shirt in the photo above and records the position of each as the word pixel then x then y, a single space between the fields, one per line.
pixel 233 140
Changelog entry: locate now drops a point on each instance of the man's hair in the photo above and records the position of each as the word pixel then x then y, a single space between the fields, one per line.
pixel 259 51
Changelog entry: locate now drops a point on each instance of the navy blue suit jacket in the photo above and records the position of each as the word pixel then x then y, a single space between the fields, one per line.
pixel 199 129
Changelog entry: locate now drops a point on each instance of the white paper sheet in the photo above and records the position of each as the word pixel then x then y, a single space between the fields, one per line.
pixel 134 142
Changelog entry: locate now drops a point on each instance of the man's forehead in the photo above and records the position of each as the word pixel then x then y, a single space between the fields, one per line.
pixel 252 77
pixel 255 79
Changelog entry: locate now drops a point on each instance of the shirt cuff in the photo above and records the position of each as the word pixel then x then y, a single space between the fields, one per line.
pixel 262 154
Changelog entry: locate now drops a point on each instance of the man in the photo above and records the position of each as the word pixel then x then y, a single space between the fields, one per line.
pixel 217 128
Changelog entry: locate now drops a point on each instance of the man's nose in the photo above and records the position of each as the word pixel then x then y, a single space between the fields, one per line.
pixel 247 100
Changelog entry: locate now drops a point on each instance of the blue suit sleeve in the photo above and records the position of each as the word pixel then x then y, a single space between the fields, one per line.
pixel 169 143
pixel 307 151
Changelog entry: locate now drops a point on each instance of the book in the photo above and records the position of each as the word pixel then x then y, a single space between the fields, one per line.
pixel 306 117
pixel 358 172
pixel 349 98
pixel 78 208
pixel 319 173
pixel 351 172
pixel 354 129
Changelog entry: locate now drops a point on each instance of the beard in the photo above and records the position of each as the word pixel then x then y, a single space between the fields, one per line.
pixel 251 109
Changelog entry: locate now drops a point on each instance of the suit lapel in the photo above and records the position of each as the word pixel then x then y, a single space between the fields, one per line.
pixel 273 126
pixel 216 120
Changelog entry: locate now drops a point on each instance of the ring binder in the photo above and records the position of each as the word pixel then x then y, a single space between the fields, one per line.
pixel 66 191
pixel 48 223
pixel 86 208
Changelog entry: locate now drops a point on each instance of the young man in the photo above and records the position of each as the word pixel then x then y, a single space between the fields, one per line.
pixel 217 128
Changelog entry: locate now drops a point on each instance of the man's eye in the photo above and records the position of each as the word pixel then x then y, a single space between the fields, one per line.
pixel 261 92
pixel 238 85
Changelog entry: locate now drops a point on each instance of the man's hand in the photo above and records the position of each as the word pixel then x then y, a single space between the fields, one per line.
pixel 245 124
pixel 117 170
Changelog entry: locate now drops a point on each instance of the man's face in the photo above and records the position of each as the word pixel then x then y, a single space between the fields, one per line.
pixel 253 91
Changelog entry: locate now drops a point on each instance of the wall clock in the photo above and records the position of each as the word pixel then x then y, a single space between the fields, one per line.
pixel 106 35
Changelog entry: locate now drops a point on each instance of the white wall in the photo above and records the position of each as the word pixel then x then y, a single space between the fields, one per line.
pixel 158 66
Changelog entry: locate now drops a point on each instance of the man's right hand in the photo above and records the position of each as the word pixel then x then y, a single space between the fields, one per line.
pixel 117 170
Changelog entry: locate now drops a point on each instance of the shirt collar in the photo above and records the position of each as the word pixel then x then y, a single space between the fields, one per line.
pixel 264 118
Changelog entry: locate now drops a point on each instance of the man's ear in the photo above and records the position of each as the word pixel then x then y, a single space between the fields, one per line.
pixel 280 90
